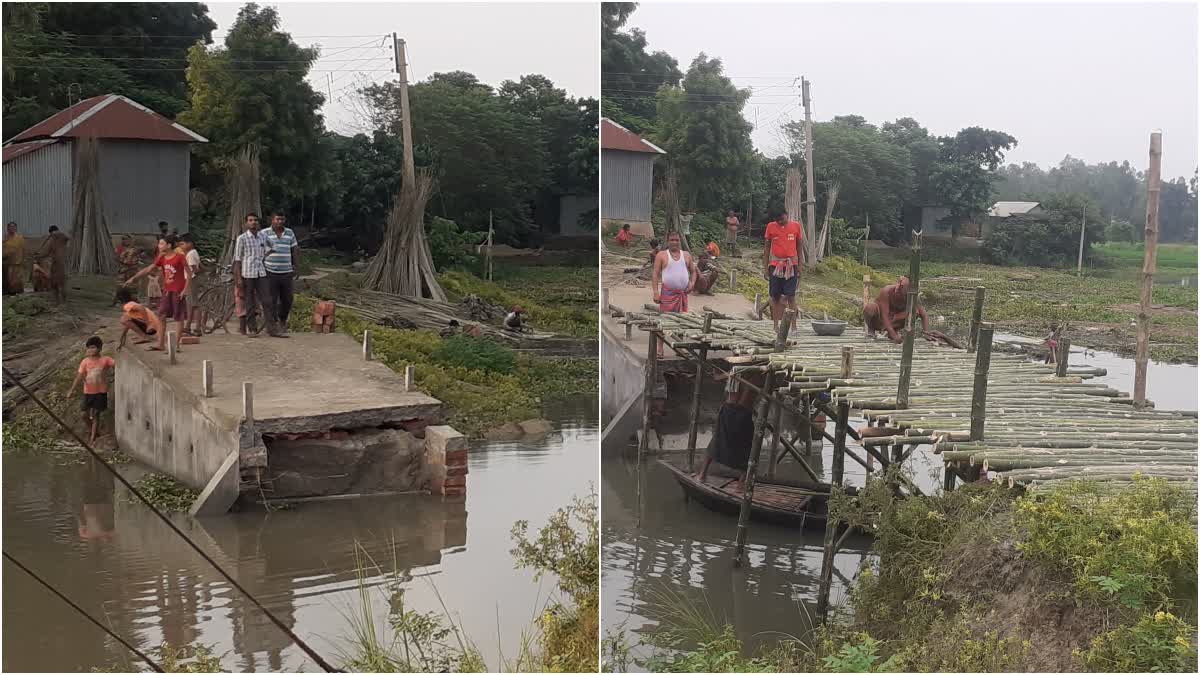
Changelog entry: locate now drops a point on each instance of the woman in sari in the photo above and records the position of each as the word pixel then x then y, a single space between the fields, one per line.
pixel 14 261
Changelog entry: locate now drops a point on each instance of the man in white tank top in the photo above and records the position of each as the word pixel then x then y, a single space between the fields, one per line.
pixel 674 277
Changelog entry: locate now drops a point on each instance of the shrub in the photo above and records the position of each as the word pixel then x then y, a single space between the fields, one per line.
pixel 475 354
pixel 1158 643
pixel 1120 231
pixel 862 657
pixel 1049 239
pixel 1135 547
pixel 450 246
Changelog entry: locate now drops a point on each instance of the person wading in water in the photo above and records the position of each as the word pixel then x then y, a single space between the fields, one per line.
pixel 730 445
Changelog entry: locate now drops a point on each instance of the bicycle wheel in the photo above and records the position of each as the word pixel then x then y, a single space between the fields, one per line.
pixel 211 302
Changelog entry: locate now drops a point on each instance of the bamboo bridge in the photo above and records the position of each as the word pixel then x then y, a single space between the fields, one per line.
pixel 1035 423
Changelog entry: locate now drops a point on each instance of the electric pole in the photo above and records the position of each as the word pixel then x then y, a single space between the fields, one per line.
pixel 410 171
pixel 810 226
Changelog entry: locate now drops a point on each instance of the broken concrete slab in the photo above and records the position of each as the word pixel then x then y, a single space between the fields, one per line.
pixel 373 460
pixel 222 490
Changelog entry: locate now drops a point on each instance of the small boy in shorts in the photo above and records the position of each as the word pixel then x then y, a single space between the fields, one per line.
pixel 93 373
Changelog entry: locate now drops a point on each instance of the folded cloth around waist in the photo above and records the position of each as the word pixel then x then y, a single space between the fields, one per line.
pixel 784 268
pixel 672 300
pixel 731 441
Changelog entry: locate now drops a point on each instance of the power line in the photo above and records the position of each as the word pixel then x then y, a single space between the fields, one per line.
pixel 169 523
pixel 175 59
pixel 157 668
pixel 183 70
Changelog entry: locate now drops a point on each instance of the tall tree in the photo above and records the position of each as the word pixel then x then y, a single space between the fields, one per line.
pixel 59 52
pixel 252 91
pixel 966 168
pixel 630 75
pixel 707 139
pixel 484 153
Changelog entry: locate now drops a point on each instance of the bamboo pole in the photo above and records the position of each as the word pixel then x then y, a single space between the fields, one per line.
pixel 697 392
pixel 976 318
pixel 1149 267
pixel 1064 355
pixel 751 472
pixel 980 388
pixel 829 550
pixel 648 393
pixel 906 359
pixel 776 430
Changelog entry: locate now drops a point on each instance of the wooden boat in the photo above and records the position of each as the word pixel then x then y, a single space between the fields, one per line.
pixel 780 502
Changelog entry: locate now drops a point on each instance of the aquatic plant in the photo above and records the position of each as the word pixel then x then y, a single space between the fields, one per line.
pixel 165 493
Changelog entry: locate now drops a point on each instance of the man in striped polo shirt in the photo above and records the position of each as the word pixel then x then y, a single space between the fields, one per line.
pixel 283 266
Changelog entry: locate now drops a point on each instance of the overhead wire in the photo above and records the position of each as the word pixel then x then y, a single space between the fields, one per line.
pixel 325 665
pixel 153 664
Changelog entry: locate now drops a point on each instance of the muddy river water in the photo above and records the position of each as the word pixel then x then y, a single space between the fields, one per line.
pixel 71 525
pixel 668 548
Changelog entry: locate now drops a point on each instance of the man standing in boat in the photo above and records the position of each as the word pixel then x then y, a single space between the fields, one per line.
pixel 731 441
pixel 889 312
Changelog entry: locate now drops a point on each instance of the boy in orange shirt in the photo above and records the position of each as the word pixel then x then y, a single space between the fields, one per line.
pixel 93 373
pixel 137 318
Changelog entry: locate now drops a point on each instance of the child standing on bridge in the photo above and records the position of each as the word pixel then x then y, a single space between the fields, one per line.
pixel 93 373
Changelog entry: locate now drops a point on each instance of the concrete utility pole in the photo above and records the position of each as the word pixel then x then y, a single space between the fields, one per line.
pixel 1149 267
pixel 810 225
pixel 410 171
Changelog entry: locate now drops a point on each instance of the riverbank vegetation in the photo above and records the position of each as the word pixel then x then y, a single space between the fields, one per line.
pixel 1083 576
pixel 561 640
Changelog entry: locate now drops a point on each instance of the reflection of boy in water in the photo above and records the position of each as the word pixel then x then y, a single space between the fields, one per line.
pixel 97 521
pixel 734 434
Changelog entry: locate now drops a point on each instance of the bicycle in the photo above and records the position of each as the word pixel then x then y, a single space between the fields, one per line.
pixel 217 303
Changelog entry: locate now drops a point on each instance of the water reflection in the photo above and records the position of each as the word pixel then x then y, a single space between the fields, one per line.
pixel 72 525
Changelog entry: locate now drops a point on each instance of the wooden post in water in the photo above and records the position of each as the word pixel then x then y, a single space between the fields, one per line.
pixel 906 356
pixel 1062 357
pixel 976 317
pixel 647 404
pixel 760 423
pixel 983 360
pixel 697 393
pixel 1149 267
pixel 776 428
pixel 829 550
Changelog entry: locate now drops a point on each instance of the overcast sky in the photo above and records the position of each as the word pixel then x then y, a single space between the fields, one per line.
pixel 1090 80
pixel 495 42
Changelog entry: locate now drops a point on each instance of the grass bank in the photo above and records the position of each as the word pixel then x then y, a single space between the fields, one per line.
pixel 484 383
pixel 1079 577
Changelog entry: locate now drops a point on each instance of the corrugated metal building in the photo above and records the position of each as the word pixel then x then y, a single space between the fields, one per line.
pixel 145 162
pixel 626 177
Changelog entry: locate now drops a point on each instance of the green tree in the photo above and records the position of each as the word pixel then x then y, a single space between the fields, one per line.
pixel 700 125
pixel 485 153
pixel 630 75
pixel 1048 239
pixel 966 168
pixel 56 53
pixel 253 91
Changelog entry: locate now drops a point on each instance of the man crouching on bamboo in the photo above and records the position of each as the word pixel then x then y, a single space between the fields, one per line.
pixel 889 311
pixel 731 441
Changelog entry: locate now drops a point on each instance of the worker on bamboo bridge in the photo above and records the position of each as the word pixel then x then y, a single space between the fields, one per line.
pixel 781 260
pixel 889 311
pixel 730 445
pixel 674 276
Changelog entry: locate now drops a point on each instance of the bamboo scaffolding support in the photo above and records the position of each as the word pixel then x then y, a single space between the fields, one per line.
pixel 760 419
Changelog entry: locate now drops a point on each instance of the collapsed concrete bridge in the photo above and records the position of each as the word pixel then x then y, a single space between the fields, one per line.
pixel 283 419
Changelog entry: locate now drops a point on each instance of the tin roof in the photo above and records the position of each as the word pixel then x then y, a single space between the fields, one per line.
pixel 15 150
pixel 613 136
pixel 1006 209
pixel 109 116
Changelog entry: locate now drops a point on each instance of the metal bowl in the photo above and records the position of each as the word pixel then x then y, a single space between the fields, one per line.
pixel 829 327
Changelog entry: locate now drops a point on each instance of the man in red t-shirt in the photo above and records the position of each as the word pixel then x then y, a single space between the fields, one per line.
pixel 176 275
pixel 781 260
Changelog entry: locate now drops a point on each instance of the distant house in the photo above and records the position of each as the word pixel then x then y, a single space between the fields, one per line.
pixel 1001 210
pixel 1006 209
pixel 626 177
pixel 145 162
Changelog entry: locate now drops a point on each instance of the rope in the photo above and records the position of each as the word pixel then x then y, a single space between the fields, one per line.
pixel 157 668
pixel 233 582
